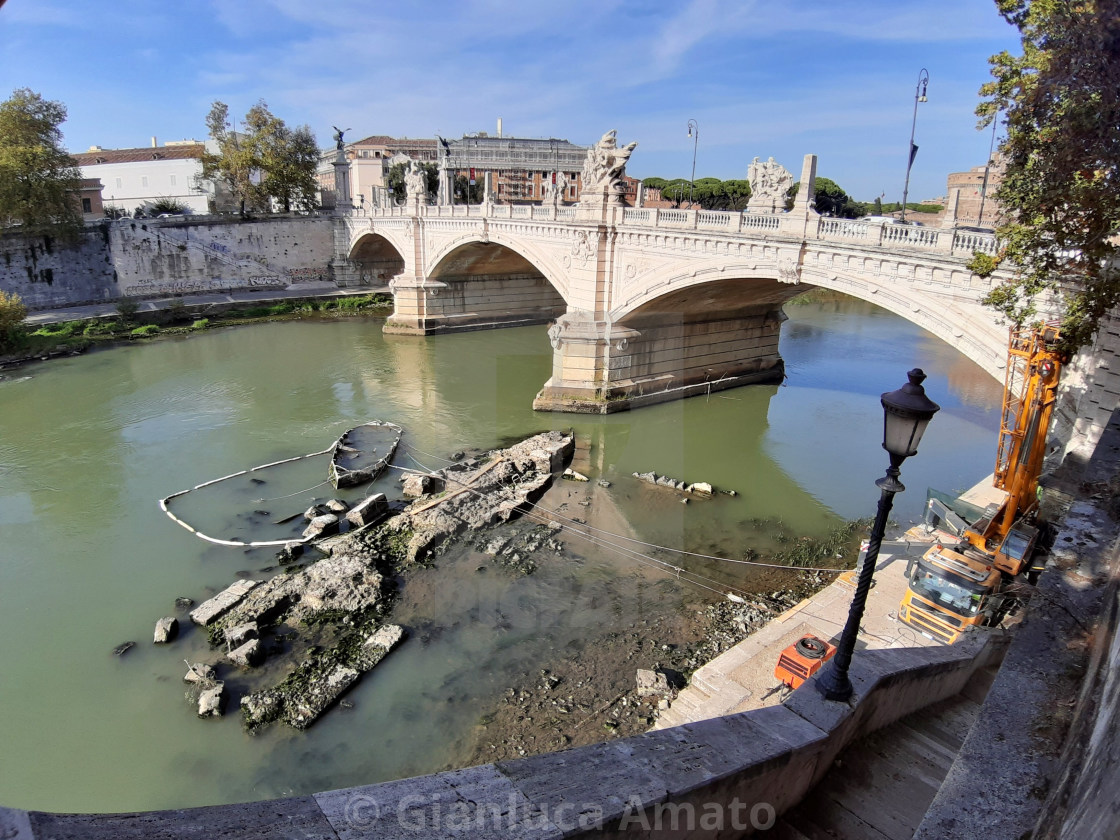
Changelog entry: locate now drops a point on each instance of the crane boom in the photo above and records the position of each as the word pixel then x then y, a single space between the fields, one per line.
pixel 1034 365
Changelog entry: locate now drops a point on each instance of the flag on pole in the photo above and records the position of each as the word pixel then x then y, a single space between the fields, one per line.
pixel 913 152
pixel 472 172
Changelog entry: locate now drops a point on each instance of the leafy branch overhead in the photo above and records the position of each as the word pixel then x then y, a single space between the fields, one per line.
pixel 1061 103
pixel 264 162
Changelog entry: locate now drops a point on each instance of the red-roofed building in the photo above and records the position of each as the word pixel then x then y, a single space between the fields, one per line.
pixel 370 159
pixel 134 178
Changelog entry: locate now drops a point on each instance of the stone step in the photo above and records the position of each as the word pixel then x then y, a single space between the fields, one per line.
pixel 880 787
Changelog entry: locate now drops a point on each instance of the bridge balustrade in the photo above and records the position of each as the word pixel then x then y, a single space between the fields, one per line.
pixel 955 242
pixel 759 221
pixel 970 242
pixel 845 229
pixel 714 219
pixel 673 217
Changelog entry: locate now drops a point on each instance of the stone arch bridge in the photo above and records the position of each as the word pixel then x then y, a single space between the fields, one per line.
pixel 649 305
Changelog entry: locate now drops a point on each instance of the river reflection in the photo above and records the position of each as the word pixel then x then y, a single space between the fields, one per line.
pixel 87 446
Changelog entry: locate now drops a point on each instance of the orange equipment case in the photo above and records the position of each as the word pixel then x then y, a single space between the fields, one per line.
pixel 802 659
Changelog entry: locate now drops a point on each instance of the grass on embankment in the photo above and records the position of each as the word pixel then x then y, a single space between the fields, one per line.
pixel 68 337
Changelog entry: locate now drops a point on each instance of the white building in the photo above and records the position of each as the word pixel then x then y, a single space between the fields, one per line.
pixel 134 178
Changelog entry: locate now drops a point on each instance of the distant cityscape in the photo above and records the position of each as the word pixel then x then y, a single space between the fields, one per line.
pixel 509 170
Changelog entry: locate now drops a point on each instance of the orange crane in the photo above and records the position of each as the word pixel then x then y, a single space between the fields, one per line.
pixel 954 588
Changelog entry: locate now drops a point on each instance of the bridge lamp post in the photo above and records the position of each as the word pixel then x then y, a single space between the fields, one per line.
pixel 919 96
pixel 906 413
pixel 987 170
pixel 694 133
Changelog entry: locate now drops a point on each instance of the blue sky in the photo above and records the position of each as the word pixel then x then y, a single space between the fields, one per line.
pixel 762 78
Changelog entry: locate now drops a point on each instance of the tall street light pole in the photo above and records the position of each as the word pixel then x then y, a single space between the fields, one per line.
pixel 694 133
pixel 906 413
pixel 919 96
pixel 987 170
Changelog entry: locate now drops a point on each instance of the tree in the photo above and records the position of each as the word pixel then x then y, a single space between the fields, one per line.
pixel 829 199
pixel 39 181
pixel 738 193
pixel 265 161
pixel 285 158
pixel 1061 103
pixel 461 191
pixel 232 166
pixel 165 204
pixel 12 313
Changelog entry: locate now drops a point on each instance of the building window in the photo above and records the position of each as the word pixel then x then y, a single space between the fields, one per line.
pixel 144 180
pixel 87 205
pixel 118 183
pixel 172 177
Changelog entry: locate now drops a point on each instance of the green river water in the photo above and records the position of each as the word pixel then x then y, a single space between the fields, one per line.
pixel 87 560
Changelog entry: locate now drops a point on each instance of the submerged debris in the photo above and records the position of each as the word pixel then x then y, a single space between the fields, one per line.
pixel 339 601
pixel 700 488
pixel 319 680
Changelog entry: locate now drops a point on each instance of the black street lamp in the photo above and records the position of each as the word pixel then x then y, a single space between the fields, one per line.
pixel 694 133
pixel 919 96
pixel 906 413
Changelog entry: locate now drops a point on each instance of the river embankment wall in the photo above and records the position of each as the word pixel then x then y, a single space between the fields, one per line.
pixel 138 258
pixel 712 777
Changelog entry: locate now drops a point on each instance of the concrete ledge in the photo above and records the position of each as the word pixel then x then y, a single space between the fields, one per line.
pixel 560 399
pixel 726 774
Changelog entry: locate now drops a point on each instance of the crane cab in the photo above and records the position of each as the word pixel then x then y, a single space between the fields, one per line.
pixel 948 592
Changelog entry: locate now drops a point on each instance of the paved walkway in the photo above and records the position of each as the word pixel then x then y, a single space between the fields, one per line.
pixel 743 678
pixel 102 310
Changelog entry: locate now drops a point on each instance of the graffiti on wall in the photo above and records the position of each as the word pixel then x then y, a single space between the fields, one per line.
pixel 217 284
pixel 307 275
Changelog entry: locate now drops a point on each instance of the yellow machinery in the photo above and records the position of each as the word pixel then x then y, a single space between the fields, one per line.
pixel 952 589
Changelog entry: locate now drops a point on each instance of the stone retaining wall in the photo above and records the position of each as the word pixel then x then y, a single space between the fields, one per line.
pixel 160 257
pixel 719 776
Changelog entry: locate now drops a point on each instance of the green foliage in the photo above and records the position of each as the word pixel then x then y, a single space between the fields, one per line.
pixel 39 181
pixel 829 199
pixel 714 194
pixel 286 158
pixel 127 308
pixel 982 265
pixel 461 191
pixel 12 313
pixel 176 311
pixel 232 166
pixel 101 327
pixel 200 324
pixel 839 549
pixel 63 329
pixel 911 207
pixel 146 330
pixel 264 161
pixel 164 204
pixel 1060 100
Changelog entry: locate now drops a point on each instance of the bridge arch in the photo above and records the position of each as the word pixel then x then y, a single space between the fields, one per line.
pixel 539 262
pixel 985 343
pixel 950 318
pixel 377 257
pixel 475 282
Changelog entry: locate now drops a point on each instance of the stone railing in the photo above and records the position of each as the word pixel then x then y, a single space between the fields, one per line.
pixel 957 243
